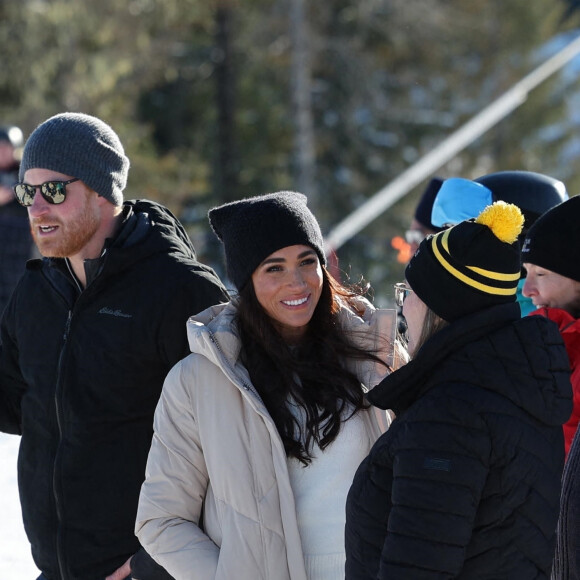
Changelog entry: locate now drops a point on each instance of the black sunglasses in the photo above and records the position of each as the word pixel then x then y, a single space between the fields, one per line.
pixel 53 191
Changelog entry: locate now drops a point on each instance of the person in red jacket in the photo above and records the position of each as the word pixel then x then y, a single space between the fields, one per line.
pixel 549 255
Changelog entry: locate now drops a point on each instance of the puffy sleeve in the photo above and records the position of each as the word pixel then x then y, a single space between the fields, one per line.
pixel 170 505
pixel 440 466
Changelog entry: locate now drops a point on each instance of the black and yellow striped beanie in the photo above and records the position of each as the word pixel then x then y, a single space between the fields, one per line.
pixel 471 266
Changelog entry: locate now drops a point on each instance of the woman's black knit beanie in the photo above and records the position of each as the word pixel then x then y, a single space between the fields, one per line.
pixel 251 229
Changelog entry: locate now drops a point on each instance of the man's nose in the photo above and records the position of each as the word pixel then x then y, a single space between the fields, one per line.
pixel 528 288
pixel 39 204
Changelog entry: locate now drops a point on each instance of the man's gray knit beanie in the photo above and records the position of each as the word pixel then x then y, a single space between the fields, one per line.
pixel 81 146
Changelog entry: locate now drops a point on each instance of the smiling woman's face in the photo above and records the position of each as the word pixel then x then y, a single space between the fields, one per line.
pixel 288 285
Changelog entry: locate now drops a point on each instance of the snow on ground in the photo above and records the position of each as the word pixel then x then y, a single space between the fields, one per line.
pixel 15 559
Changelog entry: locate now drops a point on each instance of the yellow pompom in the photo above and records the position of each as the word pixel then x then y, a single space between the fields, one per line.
pixel 505 220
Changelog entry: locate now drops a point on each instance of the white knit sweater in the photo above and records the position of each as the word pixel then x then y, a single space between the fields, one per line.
pixel 320 491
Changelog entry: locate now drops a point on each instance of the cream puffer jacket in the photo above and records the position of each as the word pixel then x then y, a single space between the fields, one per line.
pixel 217 501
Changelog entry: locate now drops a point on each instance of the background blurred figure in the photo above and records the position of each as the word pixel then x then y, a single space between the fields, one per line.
pixel 460 199
pixel 534 193
pixel 466 481
pixel 421 224
pixel 16 244
pixel 11 140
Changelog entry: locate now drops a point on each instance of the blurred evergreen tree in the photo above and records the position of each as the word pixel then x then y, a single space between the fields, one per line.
pixel 203 96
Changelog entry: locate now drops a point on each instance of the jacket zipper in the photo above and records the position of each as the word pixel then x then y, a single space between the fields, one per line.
pixel 59 422
pixel 225 359
pixel 60 553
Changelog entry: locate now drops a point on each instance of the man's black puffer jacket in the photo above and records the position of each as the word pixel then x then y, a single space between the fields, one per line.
pixel 80 376
pixel 466 482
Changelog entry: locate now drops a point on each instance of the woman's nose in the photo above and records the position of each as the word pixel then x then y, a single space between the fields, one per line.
pixel 296 278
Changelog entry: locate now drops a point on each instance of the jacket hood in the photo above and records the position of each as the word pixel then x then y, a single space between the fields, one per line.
pixel 155 228
pixel 220 321
pixel 523 359
pixel 213 333
pixel 148 228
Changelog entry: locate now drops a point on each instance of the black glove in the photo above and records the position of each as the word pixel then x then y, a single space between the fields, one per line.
pixel 144 567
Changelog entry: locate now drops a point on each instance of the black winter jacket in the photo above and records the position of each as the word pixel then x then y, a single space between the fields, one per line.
pixel 567 556
pixel 466 482
pixel 80 376
pixel 16 247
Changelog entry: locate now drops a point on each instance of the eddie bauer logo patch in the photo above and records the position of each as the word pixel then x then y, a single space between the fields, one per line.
pixel 117 312
pixel 437 463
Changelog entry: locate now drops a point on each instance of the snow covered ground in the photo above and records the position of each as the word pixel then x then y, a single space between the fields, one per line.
pixel 15 559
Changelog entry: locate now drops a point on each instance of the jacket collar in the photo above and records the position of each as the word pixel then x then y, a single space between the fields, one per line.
pixel 565 321
pixel 214 334
pixel 147 228
pixel 401 389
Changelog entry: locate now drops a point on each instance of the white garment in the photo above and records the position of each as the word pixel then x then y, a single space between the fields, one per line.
pixel 217 451
pixel 320 491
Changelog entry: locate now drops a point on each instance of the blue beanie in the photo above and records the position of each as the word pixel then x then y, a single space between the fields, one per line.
pixel 459 199
pixel 81 146
pixel 423 209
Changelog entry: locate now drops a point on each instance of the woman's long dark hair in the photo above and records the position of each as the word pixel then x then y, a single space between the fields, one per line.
pixel 313 374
